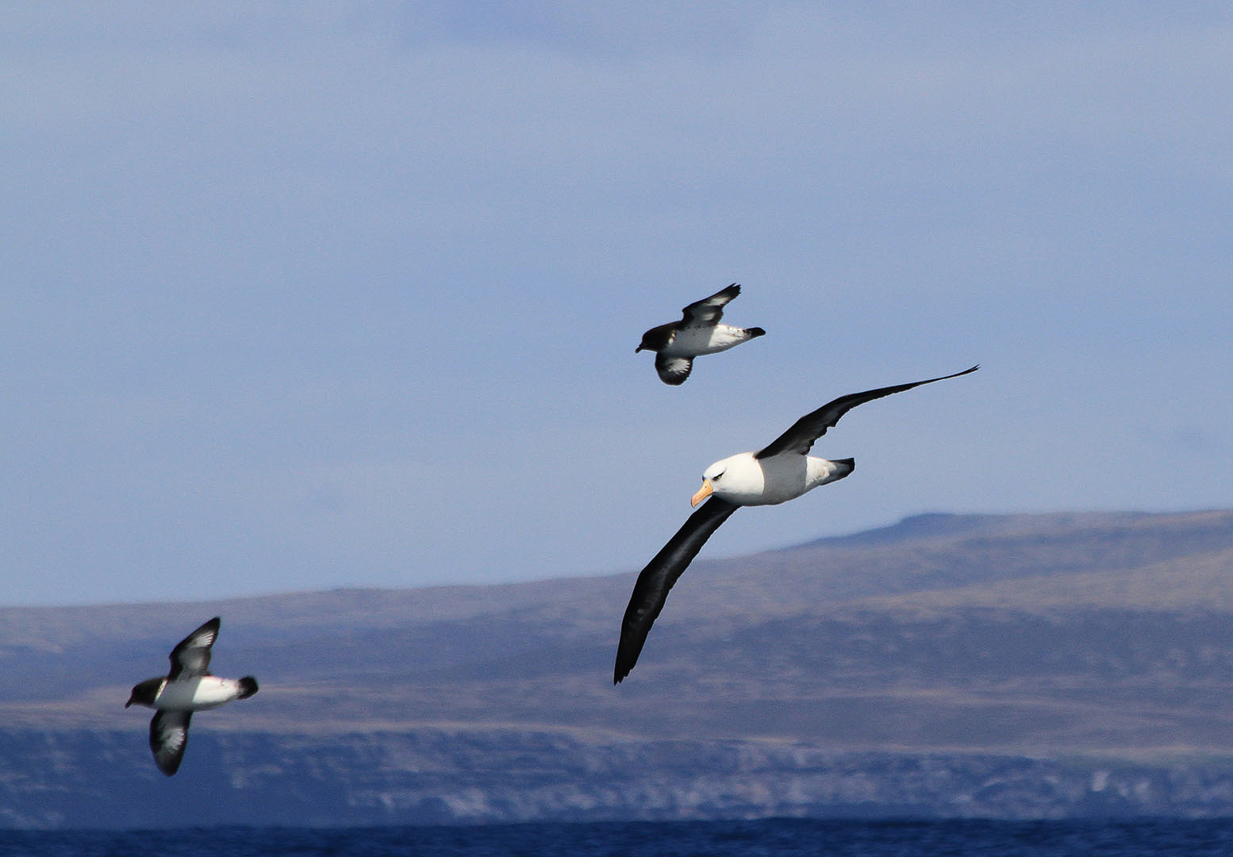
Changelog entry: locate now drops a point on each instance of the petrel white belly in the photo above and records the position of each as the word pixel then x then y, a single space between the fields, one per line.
pixel 692 341
pixel 197 694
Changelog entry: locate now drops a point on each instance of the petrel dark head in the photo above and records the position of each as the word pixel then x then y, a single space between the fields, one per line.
pixel 146 692
pixel 657 338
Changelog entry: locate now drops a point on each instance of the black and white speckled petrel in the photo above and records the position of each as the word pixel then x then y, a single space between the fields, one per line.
pixel 187 688
pixel 698 332
pixel 776 473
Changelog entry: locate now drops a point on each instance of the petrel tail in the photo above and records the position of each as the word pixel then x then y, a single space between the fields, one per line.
pixel 248 686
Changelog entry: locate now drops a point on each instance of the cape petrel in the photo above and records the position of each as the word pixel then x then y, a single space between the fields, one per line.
pixel 698 332
pixel 187 688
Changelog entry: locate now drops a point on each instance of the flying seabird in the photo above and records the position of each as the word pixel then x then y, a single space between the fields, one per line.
pixel 698 332
pixel 776 473
pixel 187 688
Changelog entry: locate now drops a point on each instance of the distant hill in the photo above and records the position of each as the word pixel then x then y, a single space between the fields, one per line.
pixel 1081 648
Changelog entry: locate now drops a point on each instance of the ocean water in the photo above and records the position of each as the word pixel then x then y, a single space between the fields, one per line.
pixel 765 838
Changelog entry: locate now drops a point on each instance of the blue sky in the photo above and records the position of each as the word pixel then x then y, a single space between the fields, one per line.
pixel 315 295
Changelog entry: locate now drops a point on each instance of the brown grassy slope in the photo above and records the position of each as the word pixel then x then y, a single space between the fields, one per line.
pixel 1023 632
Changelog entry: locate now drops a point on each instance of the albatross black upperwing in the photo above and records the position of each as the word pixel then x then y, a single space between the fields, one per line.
pixel 191 656
pixel 709 310
pixel 660 574
pixel 807 429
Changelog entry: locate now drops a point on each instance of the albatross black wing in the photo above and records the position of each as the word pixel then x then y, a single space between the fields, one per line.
pixel 807 429
pixel 657 578
pixel 709 310
pixel 168 738
pixel 191 656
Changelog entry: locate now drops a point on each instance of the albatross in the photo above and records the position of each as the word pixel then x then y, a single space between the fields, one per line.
pixel 698 332
pixel 779 472
pixel 188 687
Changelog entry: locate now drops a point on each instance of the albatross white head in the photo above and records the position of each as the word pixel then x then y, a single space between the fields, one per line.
pixel 738 479
pixel 746 480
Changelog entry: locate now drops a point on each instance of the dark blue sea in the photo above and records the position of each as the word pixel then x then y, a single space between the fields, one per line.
pixel 764 838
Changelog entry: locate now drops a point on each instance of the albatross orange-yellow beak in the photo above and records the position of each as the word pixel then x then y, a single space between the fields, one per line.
pixel 703 493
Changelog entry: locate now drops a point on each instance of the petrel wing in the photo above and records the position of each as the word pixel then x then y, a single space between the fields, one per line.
pixel 673 370
pixel 191 656
pixel 709 310
pixel 168 738
pixel 799 439
pixel 657 579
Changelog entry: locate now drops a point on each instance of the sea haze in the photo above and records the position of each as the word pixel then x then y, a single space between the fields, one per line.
pixel 1021 666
